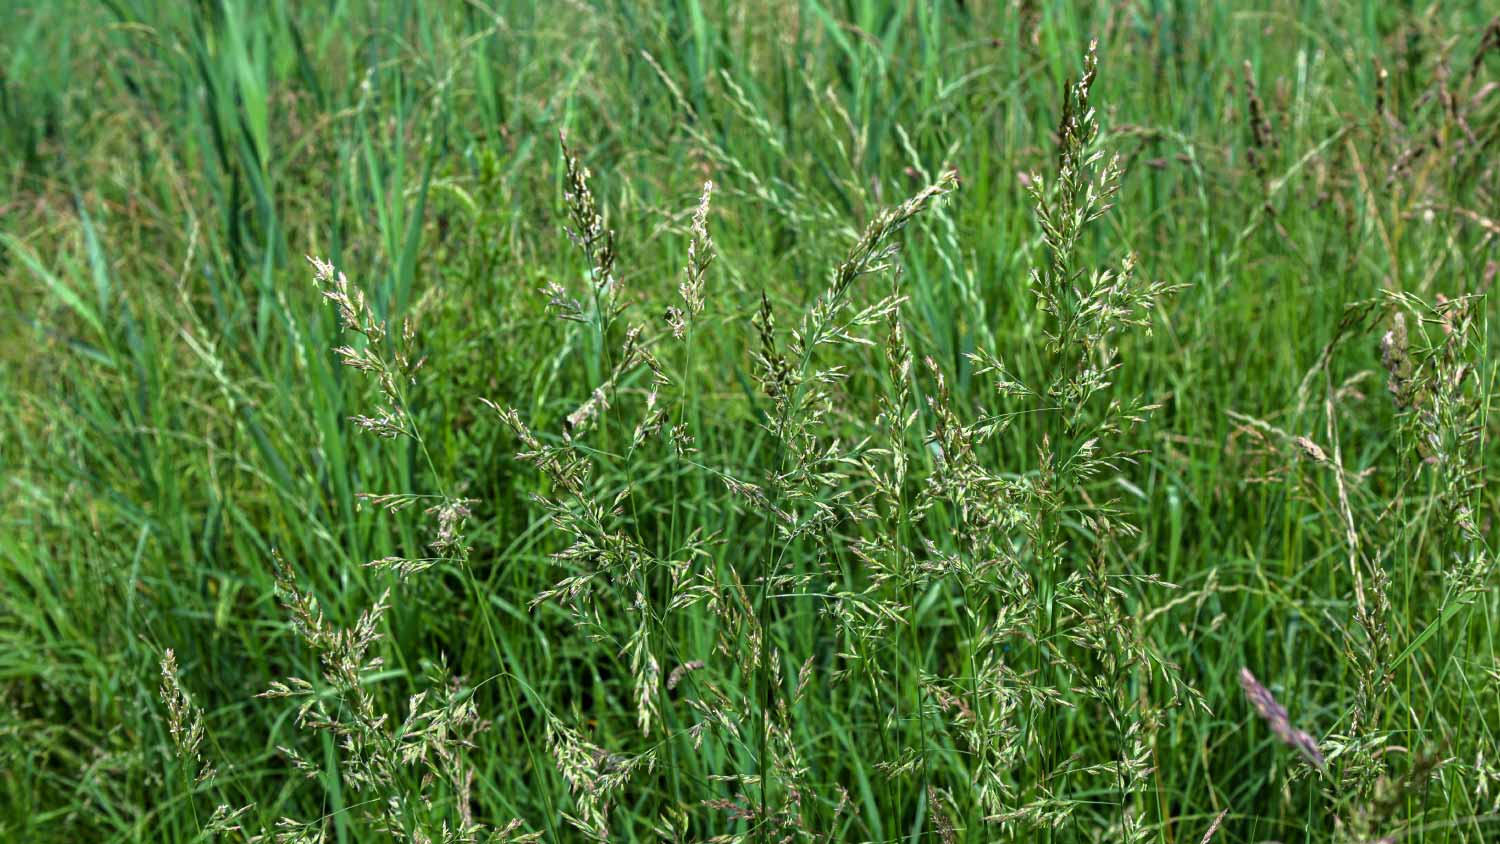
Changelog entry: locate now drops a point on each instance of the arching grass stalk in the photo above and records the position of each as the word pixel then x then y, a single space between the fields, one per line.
pixel 800 397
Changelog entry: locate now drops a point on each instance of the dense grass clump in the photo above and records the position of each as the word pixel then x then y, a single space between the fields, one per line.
pixel 795 421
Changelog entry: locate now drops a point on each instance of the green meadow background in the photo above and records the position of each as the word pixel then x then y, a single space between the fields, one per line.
pixel 172 412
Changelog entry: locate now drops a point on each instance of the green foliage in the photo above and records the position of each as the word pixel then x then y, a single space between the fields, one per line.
pixel 874 420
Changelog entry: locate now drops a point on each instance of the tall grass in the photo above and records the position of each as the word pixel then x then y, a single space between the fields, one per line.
pixel 802 421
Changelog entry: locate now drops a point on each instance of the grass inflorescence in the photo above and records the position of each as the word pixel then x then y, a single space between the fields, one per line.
pixel 797 422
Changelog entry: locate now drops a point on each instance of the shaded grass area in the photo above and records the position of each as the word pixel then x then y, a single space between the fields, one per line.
pixel 175 413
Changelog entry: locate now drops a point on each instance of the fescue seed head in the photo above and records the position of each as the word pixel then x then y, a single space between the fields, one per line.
pixel 184 720
pixel 1275 716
